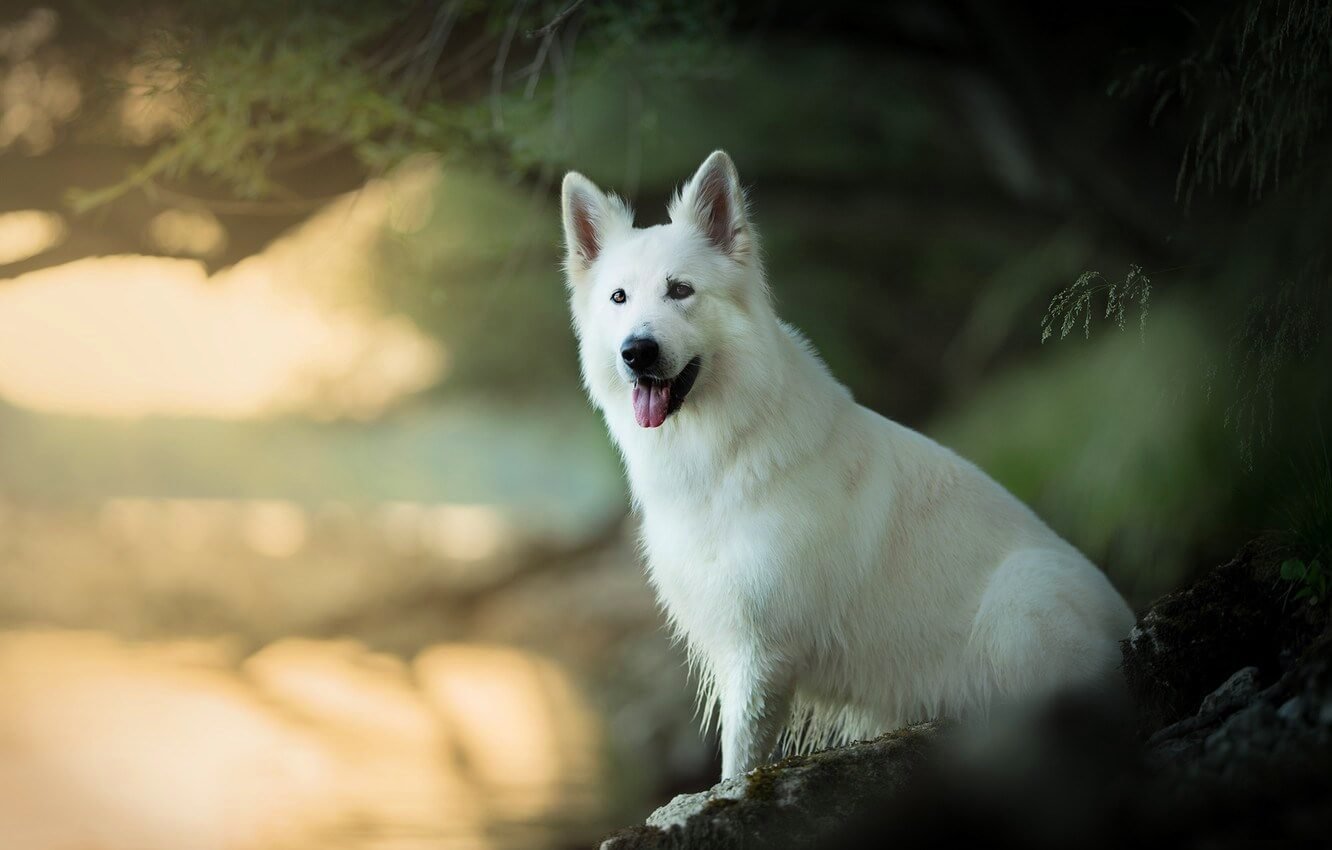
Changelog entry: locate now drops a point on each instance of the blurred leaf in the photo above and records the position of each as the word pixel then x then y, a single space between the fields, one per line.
pixel 1293 569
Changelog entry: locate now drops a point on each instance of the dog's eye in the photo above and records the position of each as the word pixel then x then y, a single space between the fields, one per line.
pixel 618 296
pixel 679 290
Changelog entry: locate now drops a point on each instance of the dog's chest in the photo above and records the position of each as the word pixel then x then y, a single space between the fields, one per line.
pixel 705 571
pixel 726 572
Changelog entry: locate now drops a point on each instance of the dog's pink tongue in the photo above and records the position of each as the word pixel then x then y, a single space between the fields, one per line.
pixel 650 401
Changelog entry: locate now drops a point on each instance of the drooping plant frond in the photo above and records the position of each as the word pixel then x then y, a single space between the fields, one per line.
pixel 1275 330
pixel 1258 93
pixel 1073 306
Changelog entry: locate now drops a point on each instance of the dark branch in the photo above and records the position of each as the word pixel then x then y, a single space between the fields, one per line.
pixel 555 22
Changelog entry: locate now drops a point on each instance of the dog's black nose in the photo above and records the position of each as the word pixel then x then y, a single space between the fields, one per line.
pixel 640 353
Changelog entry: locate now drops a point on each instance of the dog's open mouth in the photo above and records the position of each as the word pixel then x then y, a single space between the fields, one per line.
pixel 657 398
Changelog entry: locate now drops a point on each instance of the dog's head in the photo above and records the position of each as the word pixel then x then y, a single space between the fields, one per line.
pixel 655 307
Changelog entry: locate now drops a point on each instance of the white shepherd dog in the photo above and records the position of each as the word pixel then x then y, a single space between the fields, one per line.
pixel 835 574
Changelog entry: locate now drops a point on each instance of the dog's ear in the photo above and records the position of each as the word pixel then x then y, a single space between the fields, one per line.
pixel 590 218
pixel 713 201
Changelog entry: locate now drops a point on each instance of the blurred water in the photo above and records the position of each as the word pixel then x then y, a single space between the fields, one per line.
pixel 177 744
pixel 189 673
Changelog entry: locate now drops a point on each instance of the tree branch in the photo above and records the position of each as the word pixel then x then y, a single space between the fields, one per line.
pixel 555 22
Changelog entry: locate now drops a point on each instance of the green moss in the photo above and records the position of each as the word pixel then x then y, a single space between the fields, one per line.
pixel 761 783
pixel 716 804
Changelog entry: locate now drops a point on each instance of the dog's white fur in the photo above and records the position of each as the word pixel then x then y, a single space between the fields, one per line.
pixel 834 574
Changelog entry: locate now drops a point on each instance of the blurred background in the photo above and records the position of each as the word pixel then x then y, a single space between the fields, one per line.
pixel 308 537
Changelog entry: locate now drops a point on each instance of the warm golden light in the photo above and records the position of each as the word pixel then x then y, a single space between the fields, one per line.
pixel 35 99
pixel 277 528
pixel 463 532
pixel 452 531
pixel 19 39
pixel 518 721
pixel 153 104
pixel 291 329
pixel 409 200
pixel 187 233
pixel 273 528
pixel 130 336
pixel 110 745
pixel 27 233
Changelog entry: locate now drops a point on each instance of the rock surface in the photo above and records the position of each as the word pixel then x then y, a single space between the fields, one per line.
pixel 1227 739
pixel 791 802
pixel 1238 615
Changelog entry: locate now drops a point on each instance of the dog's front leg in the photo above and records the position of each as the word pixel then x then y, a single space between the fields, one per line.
pixel 753 711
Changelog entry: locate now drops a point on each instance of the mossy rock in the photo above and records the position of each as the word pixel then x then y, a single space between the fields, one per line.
pixel 792 803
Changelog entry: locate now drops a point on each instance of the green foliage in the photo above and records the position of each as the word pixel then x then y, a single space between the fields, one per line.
pixel 485 258
pixel 1307 513
pixel 1255 95
pixel 271 85
pixel 1073 305
pixel 1310 579
pixel 261 81
pixel 1259 92
pixel 1103 443
pixel 1275 331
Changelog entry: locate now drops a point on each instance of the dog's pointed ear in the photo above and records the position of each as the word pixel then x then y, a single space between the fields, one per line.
pixel 713 201
pixel 590 218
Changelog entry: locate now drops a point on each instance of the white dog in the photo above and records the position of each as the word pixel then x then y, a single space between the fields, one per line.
pixel 835 574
